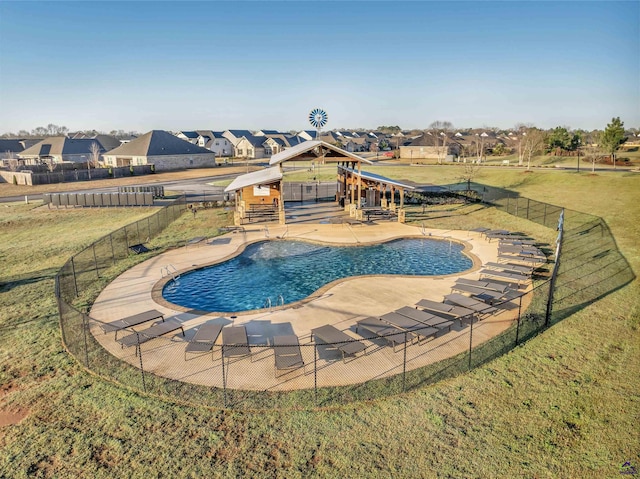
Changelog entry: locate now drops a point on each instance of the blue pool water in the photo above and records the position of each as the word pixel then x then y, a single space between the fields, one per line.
pixel 295 269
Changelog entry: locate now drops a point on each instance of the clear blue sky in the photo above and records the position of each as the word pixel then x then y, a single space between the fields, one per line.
pixel 219 65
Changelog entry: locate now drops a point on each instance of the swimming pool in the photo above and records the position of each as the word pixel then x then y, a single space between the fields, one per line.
pixel 288 271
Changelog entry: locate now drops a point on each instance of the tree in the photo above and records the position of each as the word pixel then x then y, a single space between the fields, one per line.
pixel 469 172
pixel 612 138
pixel 440 131
pixel 561 138
pixel 479 147
pixel 94 157
pixel 521 132
pixel 533 141
pixel 591 149
pixel 499 149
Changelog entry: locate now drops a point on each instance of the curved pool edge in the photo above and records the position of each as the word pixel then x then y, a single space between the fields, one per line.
pixel 158 287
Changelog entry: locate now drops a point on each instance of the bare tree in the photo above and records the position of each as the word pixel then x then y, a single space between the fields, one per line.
pixel 12 161
pixel 592 150
pixel 440 131
pixel 94 157
pixel 533 141
pixel 521 132
pixel 469 172
pixel 478 143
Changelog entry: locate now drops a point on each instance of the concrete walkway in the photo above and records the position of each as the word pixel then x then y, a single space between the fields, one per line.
pixel 341 304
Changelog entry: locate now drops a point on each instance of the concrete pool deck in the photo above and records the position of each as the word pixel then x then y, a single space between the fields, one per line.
pixel 341 304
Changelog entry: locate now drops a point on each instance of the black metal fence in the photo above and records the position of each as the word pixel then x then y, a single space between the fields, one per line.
pixel 316 373
pixel 252 381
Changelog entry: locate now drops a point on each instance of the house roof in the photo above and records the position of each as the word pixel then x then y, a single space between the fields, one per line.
pixel 240 133
pixel 307 146
pixel 190 134
pixel 379 178
pixel 261 177
pixel 255 141
pixel 157 143
pixel 267 132
pixel 108 142
pixel 61 145
pixel 429 140
pixel 14 145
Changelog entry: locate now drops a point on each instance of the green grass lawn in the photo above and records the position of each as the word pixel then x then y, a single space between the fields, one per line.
pixel 564 404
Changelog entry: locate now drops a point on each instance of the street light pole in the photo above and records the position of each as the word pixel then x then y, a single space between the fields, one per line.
pixel 578 156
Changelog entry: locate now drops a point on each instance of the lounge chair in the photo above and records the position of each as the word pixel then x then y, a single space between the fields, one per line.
pixel 503 275
pixel 195 241
pixel 287 354
pixel 341 341
pixel 131 321
pixel 451 311
pixel 152 332
pixel 486 295
pixel 470 303
pixel 204 339
pixel 405 323
pixel 235 343
pixel 423 317
pixel 510 268
pixel 490 285
pixel 383 330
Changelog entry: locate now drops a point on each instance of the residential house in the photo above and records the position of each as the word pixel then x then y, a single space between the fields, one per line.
pixel 58 149
pixel 308 134
pixel 161 149
pixel 250 146
pixel 427 146
pixel 190 136
pixel 275 143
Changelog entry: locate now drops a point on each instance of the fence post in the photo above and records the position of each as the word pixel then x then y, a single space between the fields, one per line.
pixel 224 379
pixel 138 231
pixel 113 253
pixel 519 315
pixel 139 348
pixel 528 201
pixel 84 331
pixel 544 219
pixel 149 225
pixel 470 341
pixel 73 271
pixel 126 237
pixel 556 267
pixel 95 260
pixel 404 363
pixel 508 201
pixel 315 374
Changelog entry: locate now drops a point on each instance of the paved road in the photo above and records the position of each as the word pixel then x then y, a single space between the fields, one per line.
pixel 195 189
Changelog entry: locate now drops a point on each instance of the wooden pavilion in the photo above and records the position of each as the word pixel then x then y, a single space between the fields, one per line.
pixel 259 195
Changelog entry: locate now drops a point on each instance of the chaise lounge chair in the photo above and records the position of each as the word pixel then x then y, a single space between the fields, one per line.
pixel 405 323
pixel 341 341
pixel 158 329
pixel 429 319
pixel 470 303
pixel 505 276
pixel 449 310
pixel 131 321
pixel 510 268
pixel 204 339
pixel 235 343
pixel 383 330
pixel 287 354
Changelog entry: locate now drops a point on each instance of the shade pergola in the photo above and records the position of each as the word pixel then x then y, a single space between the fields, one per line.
pixel 375 186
